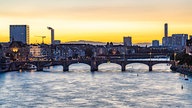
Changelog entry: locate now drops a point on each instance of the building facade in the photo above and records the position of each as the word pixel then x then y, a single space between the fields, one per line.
pixel 19 33
pixel 35 50
pixel 189 47
pixel 1 51
pixel 155 43
pixel 127 41
pixel 179 39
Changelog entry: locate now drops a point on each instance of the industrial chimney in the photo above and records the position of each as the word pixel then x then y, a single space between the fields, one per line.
pixel 52 34
pixel 166 30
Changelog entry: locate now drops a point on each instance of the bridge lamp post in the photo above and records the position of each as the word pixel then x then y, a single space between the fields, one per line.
pixel 150 56
pixel 124 56
pixel 175 54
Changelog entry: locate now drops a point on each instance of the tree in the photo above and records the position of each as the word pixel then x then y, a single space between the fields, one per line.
pixel 184 58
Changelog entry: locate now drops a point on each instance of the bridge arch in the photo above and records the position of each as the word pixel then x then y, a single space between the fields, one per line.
pixel 53 68
pixel 165 67
pixel 79 67
pixel 131 67
pixel 109 67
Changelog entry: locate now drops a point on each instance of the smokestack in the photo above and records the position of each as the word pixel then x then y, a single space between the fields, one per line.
pixel 52 34
pixel 166 29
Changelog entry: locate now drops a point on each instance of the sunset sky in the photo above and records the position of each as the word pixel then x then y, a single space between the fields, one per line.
pixel 97 20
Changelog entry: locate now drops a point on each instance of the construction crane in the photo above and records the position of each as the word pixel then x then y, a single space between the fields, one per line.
pixel 43 37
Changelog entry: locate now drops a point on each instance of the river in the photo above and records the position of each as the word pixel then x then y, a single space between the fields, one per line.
pixel 135 88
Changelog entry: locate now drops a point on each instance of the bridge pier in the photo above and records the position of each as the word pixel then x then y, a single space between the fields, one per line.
pixel 94 69
pixel 94 66
pixel 123 68
pixel 150 68
pixel 65 68
pixel 39 66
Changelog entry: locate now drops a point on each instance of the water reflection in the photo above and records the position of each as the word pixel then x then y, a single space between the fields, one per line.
pixel 69 89
pixel 57 68
pixel 137 67
pixel 162 67
pixel 79 67
pixel 109 67
pixel 148 90
pixel 2 79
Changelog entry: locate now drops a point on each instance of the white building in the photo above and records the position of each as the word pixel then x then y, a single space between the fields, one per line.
pixel 19 33
pixel 127 41
pixel 35 51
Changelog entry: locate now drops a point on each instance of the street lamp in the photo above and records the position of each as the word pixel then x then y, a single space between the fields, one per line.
pixel 150 56
pixel 15 50
pixel 175 56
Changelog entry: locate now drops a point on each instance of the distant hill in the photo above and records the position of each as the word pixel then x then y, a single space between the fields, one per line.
pixel 90 42
pixel 143 44
pixel 103 43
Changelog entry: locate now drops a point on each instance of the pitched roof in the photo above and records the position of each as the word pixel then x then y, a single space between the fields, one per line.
pixel 18 44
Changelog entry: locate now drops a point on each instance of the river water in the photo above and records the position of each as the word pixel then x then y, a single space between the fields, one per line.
pixel 134 88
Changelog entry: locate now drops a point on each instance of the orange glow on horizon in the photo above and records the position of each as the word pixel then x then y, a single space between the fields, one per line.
pixel 109 32
pixel 92 20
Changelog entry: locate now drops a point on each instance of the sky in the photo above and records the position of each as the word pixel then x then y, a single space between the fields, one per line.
pixel 97 20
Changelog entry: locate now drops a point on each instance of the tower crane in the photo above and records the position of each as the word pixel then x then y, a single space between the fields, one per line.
pixel 43 37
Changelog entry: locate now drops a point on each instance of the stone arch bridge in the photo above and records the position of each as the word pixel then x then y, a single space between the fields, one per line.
pixel 93 63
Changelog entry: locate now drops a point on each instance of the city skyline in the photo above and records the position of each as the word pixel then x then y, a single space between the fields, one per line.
pixel 101 20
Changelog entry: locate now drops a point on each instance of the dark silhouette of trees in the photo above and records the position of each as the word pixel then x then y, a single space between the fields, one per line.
pixel 184 58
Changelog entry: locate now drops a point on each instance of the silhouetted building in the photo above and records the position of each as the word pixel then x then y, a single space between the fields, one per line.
pixel 190 37
pixel 155 43
pixel 1 51
pixel 17 51
pixel 167 41
pixel 179 39
pixel 176 41
pixel 189 47
pixel 19 33
pixel 127 41
pixel 166 29
pixel 56 41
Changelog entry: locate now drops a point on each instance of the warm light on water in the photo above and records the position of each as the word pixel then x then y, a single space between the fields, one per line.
pixel 136 89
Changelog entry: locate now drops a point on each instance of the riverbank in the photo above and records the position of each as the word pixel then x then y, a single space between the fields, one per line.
pixel 182 70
